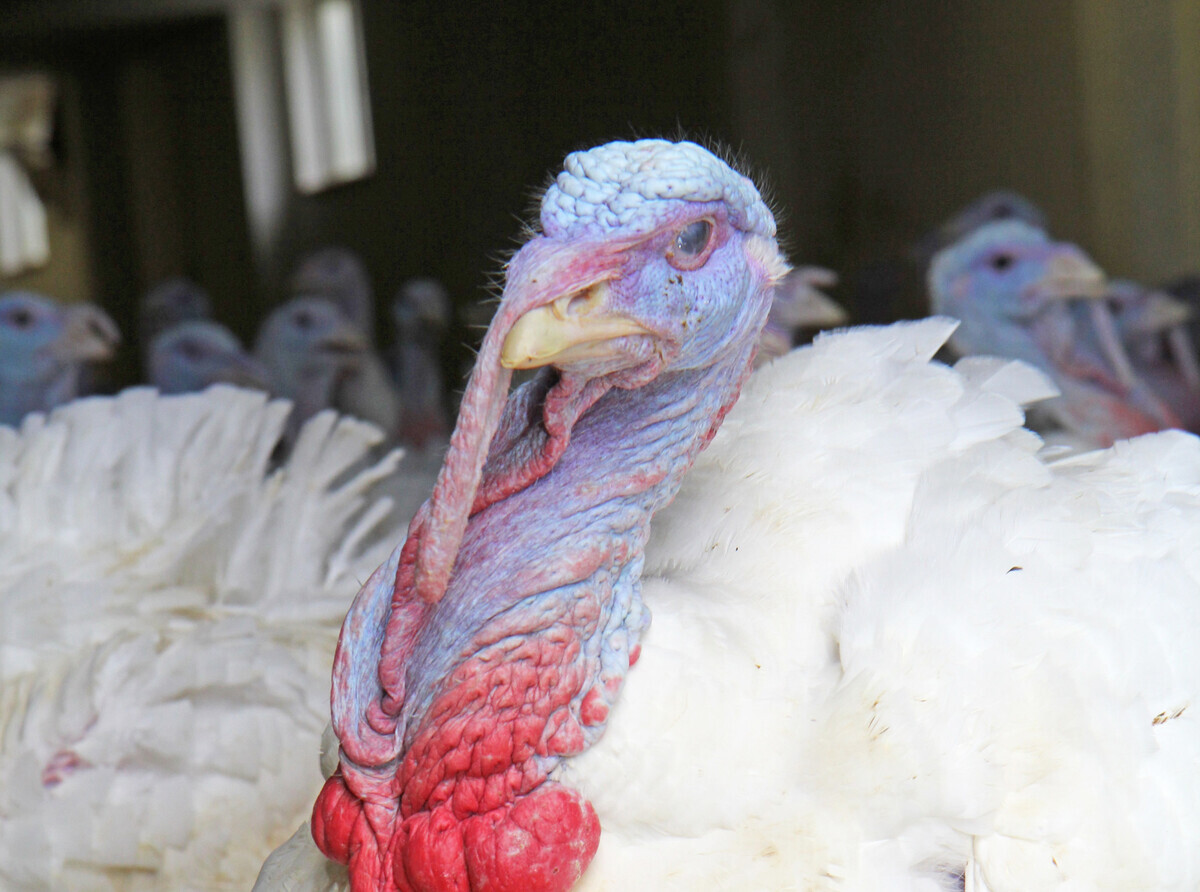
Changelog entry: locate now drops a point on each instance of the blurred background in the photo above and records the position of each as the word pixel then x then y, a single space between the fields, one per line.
pixel 225 140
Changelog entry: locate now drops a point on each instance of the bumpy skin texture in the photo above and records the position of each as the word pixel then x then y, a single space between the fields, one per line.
pixel 497 638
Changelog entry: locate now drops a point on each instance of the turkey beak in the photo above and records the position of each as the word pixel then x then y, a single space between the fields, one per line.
pixel 89 334
pixel 344 341
pixel 799 302
pixel 1070 274
pixel 812 309
pixel 245 371
pixel 576 326
pixel 1161 312
pixel 821 311
pixel 556 307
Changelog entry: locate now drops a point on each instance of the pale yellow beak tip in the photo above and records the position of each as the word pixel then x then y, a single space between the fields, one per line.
pixel 576 326
pixel 533 341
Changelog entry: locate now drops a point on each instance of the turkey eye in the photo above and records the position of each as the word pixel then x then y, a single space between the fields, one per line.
pixel 1001 262
pixel 692 246
pixel 190 350
pixel 303 320
pixel 693 239
pixel 21 318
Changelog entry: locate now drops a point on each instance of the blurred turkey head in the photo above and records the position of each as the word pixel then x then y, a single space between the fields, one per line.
pixel 168 303
pixel 192 355
pixel 43 345
pixel 308 347
pixel 339 275
pixel 1020 295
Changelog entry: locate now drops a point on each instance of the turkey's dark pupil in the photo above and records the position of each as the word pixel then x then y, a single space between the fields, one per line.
pixel 22 318
pixel 694 238
pixel 1001 262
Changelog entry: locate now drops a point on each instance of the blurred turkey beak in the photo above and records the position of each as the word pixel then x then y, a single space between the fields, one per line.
pixel 817 310
pixel 800 304
pixel 344 341
pixel 573 327
pixel 1070 275
pixel 89 334
pixel 245 371
pixel 1159 312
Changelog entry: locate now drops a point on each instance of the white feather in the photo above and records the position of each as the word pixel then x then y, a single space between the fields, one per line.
pixel 846 683
pixel 894 648
pixel 170 606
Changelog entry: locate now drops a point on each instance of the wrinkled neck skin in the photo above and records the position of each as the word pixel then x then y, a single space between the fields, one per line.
pixel 479 694
pixel 576 534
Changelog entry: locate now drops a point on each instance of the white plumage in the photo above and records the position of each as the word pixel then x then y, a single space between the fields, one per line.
pixel 892 646
pixel 169 611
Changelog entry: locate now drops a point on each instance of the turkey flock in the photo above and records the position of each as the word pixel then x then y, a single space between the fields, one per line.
pixel 690 607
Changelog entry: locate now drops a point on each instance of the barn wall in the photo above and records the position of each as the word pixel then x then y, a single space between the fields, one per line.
pixel 870 122
pixel 878 119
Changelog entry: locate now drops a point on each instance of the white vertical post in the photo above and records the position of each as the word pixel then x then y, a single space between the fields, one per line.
pixel 328 103
pixel 257 93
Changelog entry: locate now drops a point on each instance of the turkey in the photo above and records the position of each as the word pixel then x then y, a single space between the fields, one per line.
pixel 1154 329
pixel 43 349
pixel 338 274
pixel 1021 295
pixel 319 359
pixel 170 606
pixel 421 313
pixel 999 204
pixel 193 355
pixel 875 641
pixel 171 301
pixel 798 304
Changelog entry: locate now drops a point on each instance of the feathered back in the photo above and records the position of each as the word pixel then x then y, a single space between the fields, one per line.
pixel 892 644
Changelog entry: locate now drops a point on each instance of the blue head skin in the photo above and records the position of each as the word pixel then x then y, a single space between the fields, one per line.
pixel 339 275
pixel 318 359
pixel 307 346
pixel 191 356
pixel 168 303
pixel 1020 295
pixel 42 348
pixel 641 301
pixel 991 207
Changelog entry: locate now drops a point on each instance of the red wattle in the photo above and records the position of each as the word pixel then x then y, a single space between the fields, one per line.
pixel 543 841
pixel 335 815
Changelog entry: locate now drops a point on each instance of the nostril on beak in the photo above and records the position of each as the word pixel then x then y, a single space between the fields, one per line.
pixel 580 303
